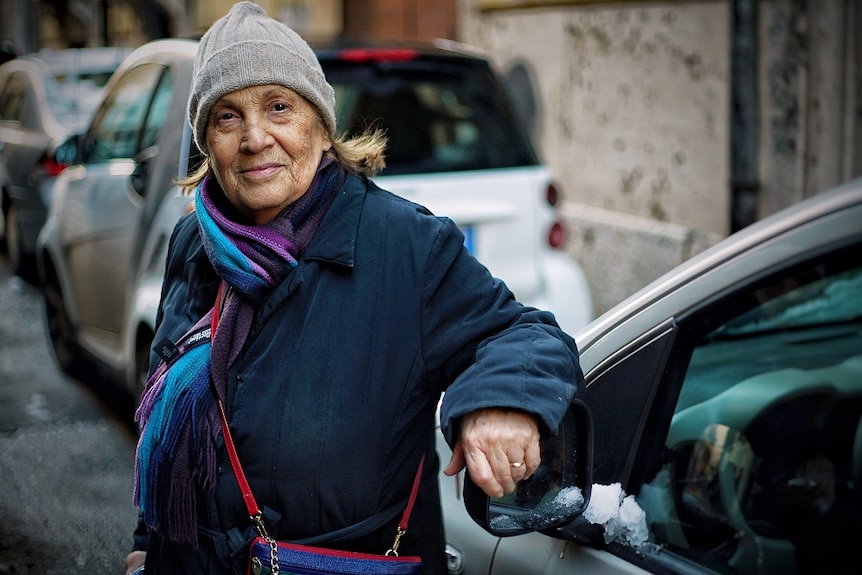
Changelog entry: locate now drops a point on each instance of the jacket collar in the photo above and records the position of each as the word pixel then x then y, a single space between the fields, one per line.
pixel 335 238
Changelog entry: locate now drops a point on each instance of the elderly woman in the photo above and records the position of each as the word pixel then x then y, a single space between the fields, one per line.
pixel 343 313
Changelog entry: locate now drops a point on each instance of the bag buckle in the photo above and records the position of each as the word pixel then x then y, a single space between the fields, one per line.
pixel 393 552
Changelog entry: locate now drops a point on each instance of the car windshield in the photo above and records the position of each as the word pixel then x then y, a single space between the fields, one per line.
pixel 801 322
pixel 75 100
pixel 825 302
pixel 439 115
pixel 75 83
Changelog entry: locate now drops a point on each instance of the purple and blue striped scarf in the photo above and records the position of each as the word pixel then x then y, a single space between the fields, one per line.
pixel 178 413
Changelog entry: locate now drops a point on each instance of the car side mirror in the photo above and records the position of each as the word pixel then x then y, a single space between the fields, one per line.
pixel 555 494
pixel 67 152
pixel 141 173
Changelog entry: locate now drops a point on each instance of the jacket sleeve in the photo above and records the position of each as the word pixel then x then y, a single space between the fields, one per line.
pixel 495 351
pixel 189 286
pixel 141 535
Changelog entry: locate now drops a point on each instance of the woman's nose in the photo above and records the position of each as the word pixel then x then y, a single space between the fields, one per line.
pixel 256 136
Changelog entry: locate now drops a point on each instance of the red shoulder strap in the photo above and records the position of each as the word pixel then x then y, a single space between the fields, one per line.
pixel 247 496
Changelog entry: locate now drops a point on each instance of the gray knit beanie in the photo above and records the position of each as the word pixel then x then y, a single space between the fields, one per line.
pixel 248 48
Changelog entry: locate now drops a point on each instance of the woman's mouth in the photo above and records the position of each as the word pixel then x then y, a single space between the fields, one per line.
pixel 261 171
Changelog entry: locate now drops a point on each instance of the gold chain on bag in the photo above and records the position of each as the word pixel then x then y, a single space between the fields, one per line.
pixel 256 566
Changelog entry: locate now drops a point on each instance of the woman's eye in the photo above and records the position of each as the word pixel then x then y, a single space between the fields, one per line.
pixel 225 116
pixel 280 107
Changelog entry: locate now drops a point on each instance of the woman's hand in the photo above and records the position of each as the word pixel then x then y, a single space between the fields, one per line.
pixel 134 560
pixel 499 448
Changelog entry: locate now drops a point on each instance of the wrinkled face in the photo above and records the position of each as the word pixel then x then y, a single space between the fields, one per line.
pixel 265 143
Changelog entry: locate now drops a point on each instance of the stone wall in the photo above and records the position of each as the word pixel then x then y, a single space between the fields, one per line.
pixel 633 118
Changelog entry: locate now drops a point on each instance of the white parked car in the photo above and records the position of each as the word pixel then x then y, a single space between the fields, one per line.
pixel 455 146
pixel 44 97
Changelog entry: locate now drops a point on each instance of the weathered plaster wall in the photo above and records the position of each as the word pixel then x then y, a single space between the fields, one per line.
pixel 633 117
pixel 809 125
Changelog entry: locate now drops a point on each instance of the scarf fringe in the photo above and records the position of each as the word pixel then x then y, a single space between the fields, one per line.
pixel 176 451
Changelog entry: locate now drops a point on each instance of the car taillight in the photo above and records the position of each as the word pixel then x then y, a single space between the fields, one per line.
pixel 557 231
pixel 52 167
pixel 377 54
pixel 557 235
pixel 552 196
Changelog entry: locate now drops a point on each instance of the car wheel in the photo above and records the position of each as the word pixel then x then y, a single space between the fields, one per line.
pixel 61 331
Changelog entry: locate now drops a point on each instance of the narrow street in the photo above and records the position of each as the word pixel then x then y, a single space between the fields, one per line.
pixel 66 454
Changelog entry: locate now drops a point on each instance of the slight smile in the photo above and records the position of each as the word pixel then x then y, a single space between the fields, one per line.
pixel 262 171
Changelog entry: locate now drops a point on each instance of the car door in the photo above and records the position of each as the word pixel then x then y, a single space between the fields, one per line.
pixel 102 203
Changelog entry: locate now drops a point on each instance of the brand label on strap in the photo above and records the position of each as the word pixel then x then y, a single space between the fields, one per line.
pixel 168 350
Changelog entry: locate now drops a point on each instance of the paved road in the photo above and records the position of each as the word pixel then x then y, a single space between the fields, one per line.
pixel 66 454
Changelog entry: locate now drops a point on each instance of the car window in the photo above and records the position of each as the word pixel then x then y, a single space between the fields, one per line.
pixel 116 129
pixel 62 105
pixel 763 468
pixel 158 110
pixel 74 97
pixel 12 98
pixel 438 117
pixel 89 78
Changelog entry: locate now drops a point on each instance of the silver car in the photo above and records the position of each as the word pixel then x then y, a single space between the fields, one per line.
pixel 721 424
pixel 44 97
pixel 90 248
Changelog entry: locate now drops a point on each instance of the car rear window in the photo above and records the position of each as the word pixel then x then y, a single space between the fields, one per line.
pixel 440 114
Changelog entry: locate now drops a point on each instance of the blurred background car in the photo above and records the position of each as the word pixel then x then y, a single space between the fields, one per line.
pixel 89 250
pixel 44 97
pixel 726 403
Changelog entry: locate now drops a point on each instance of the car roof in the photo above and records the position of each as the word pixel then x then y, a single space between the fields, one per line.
pixel 80 59
pixel 651 305
pixel 165 49
pixel 396 49
pixel 34 68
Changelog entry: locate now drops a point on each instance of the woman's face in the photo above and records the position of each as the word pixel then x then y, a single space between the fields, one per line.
pixel 265 144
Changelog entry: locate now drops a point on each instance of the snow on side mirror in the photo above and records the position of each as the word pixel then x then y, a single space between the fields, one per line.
pixel 555 494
